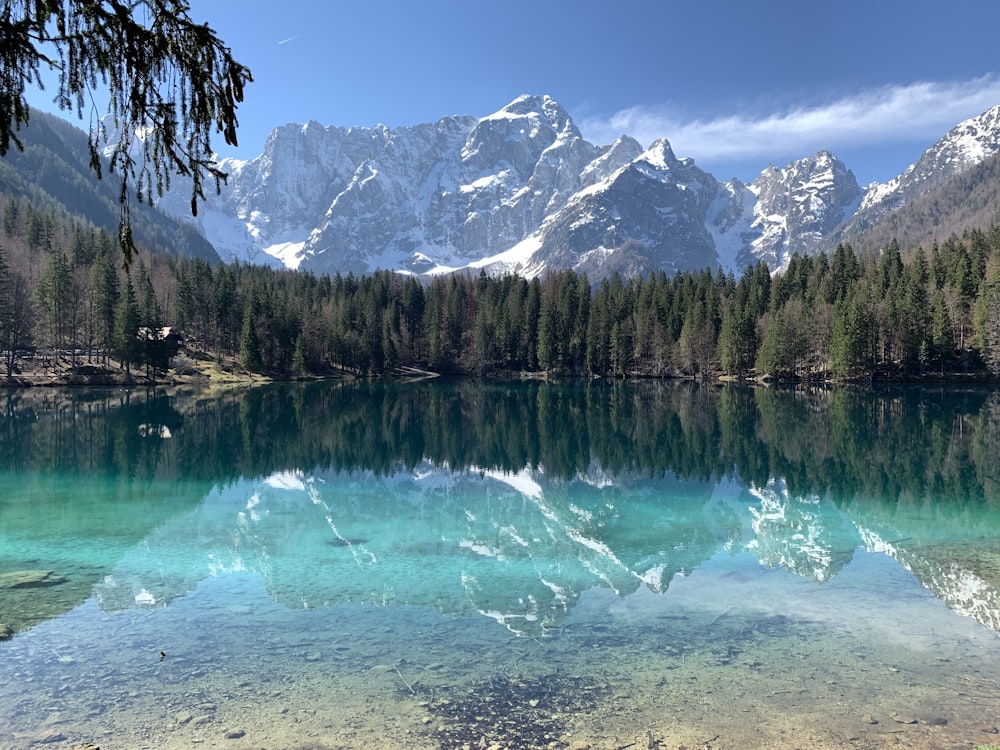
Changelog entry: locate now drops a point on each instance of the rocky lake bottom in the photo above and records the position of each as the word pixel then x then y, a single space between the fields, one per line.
pixel 227 667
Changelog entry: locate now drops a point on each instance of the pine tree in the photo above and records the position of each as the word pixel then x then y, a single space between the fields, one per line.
pixel 250 357
pixel 102 296
pixel 942 338
pixel 547 335
pixel 54 293
pixel 784 343
pixel 850 341
pixel 127 346
pixel 11 213
pixel 737 338
pixel 299 368
pixel 599 331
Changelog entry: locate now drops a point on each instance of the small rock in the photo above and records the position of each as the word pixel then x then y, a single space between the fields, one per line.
pixel 314 656
pixel 937 721
pixel 869 719
pixel 6 632
pixel 579 745
pixel 235 734
pixel 183 717
pixel 904 720
pixel 201 720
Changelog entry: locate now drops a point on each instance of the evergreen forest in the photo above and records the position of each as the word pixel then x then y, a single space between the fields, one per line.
pixel 897 313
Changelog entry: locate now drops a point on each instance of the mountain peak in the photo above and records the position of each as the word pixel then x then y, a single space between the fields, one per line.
pixel 975 139
pixel 661 155
pixel 527 103
pixel 542 106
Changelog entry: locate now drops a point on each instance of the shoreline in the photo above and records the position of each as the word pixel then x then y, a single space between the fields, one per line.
pixel 197 369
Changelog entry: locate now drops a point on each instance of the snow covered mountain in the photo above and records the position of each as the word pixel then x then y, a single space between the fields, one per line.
pixel 965 146
pixel 522 191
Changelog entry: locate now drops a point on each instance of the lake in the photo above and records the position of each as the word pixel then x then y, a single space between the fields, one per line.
pixel 464 564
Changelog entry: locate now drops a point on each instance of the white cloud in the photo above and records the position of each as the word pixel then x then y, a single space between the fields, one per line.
pixel 890 114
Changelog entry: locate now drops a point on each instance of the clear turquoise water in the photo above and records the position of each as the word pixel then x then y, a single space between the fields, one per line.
pixel 463 564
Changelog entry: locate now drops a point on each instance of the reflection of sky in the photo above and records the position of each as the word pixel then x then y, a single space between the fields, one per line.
pixel 515 547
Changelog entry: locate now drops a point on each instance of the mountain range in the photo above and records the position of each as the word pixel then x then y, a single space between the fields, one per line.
pixel 522 191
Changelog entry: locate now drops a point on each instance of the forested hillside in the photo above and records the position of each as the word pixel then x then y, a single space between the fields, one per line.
pixel 53 175
pixel 891 314
pixel 968 199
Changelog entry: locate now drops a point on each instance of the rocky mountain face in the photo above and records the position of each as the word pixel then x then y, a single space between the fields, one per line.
pixel 422 198
pixel 799 206
pixel 518 191
pixel 522 191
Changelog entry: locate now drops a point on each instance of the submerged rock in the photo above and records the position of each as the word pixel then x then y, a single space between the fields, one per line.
pixel 48 736
pixel 24 579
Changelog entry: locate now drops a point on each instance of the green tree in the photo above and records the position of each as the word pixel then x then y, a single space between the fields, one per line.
pixel 54 293
pixel 102 296
pixel 127 346
pixel 942 338
pixel 599 331
pixel 250 356
pixel 697 343
pixel 547 335
pixel 299 368
pixel 16 314
pixel 851 349
pixel 844 270
pixel 785 341
pixel 167 76
pixel 11 213
pixel 150 314
pixel 737 338
pixel 746 304
pixel 154 352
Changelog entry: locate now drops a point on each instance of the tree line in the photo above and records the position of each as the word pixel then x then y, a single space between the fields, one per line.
pixel 844 315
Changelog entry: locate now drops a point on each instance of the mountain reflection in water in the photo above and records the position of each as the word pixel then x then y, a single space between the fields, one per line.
pixel 505 499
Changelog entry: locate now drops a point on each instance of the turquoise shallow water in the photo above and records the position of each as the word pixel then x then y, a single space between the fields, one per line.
pixel 260 578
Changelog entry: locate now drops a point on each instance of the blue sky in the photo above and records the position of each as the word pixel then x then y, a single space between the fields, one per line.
pixel 734 85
